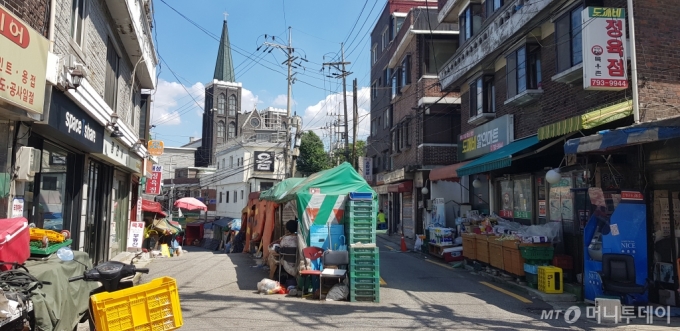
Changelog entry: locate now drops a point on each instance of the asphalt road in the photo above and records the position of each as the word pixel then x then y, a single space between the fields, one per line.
pixel 219 292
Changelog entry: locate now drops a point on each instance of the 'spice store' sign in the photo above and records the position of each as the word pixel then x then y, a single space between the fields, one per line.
pixel 75 124
pixel 264 161
pixel 604 55
pixel 486 138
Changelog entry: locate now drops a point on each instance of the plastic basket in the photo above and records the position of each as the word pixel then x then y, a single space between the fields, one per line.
pixel 151 306
pixel 375 262
pixel 354 238
pixel 364 280
pixel 537 253
pixel 362 231
pixel 532 268
pixel 550 279
pixel 353 297
pixel 361 196
pixel 364 268
pixel 363 250
pixel 565 262
pixel 366 293
pixel 50 249
pixel 375 287
pixel 361 214
pixel 365 273
pixel 39 234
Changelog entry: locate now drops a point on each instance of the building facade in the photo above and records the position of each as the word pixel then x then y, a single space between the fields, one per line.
pixel 91 134
pixel 529 78
pixel 413 123
pixel 253 162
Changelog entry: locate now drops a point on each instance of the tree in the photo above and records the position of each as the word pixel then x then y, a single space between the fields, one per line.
pixel 313 157
pixel 339 154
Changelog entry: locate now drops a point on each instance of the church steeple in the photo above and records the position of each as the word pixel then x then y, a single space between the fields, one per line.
pixel 224 67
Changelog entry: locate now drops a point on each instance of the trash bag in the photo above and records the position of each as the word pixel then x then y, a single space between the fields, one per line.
pixel 268 286
pixel 419 243
pixel 338 292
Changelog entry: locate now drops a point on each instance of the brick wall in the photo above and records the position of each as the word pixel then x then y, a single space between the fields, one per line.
pixel 34 12
pixel 439 155
pixel 98 28
pixel 657 29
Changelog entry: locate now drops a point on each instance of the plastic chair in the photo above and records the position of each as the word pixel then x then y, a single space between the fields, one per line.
pixel 289 254
pixel 313 254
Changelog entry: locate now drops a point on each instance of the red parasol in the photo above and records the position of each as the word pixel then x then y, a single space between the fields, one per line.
pixel 190 204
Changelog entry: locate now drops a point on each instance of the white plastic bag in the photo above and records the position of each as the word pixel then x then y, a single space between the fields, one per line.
pixel 268 286
pixel 338 292
pixel 419 243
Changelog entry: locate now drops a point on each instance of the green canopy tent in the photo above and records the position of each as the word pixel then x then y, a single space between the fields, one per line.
pixel 280 189
pixel 320 198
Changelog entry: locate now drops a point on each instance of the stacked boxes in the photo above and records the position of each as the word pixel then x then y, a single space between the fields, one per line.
pixel 364 262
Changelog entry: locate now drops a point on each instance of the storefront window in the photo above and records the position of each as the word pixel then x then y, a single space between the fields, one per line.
pixel 522 199
pixel 479 198
pixel 49 209
pixel 516 200
pixel 506 199
pixel 561 200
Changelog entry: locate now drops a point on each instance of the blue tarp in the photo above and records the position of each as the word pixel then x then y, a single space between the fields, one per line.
pixel 632 135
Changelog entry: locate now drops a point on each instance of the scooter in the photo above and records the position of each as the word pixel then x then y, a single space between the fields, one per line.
pixel 110 274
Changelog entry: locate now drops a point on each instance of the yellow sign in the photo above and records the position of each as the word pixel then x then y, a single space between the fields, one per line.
pixel 155 147
pixel 23 63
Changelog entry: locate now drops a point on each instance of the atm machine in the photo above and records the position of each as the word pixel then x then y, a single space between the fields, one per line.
pixel 618 225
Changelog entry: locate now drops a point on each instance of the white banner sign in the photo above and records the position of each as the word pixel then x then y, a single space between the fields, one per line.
pixel 604 55
pixel 366 167
pixel 136 235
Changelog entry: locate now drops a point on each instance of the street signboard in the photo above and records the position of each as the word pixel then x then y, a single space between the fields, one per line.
pixel 153 184
pixel 155 147
pixel 604 55
pixel 264 161
pixel 486 138
pixel 136 235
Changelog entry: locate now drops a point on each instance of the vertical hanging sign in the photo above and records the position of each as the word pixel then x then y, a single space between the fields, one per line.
pixel 605 61
pixel 153 184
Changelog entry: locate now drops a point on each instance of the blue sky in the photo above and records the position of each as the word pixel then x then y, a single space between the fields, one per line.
pixel 318 28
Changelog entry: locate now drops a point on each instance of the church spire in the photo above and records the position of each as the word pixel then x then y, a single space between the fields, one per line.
pixel 224 67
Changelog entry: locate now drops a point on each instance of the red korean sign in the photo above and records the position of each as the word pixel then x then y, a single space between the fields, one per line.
pixel 605 60
pixel 153 183
pixel 23 63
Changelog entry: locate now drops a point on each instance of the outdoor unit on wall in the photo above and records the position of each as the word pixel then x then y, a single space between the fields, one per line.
pixel 27 163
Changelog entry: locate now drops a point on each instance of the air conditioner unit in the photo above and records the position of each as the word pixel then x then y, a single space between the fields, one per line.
pixel 27 163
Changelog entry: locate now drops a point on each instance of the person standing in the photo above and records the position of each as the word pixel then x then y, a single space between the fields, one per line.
pixel 382 224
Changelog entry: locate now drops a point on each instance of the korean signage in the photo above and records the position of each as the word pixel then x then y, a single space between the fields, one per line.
pixel 397 176
pixel 69 119
pixel 115 151
pixel 486 138
pixel 136 235
pixel 17 207
pixel 155 147
pixel 604 55
pixel 366 168
pixel 23 63
pixel 153 184
pixel 264 161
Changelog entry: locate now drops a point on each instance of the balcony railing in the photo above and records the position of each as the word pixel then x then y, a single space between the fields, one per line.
pixel 505 23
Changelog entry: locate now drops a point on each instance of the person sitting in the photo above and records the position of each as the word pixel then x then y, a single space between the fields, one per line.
pixel 290 239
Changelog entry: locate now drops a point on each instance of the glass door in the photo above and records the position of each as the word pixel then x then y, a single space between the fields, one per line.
pixel 119 214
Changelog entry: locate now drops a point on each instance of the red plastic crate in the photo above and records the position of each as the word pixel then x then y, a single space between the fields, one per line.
pixel 15 241
pixel 565 262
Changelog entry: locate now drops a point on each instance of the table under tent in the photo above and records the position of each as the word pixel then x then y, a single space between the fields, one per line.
pixel 336 210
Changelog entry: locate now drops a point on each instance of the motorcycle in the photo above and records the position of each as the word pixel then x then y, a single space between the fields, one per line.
pixel 113 276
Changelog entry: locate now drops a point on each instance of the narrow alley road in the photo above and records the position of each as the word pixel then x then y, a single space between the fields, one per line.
pixel 218 292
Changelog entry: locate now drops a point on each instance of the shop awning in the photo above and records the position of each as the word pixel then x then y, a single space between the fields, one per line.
pixel 586 121
pixel 401 187
pixel 153 207
pixel 449 173
pixel 498 159
pixel 626 136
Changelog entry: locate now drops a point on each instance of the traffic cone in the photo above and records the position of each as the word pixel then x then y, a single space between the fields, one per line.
pixel 403 244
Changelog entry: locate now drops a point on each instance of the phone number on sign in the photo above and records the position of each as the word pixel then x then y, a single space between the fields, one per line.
pixel 609 82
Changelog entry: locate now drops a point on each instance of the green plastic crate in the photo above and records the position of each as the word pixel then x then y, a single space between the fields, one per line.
pixel 364 250
pixel 365 293
pixel 364 268
pixel 532 279
pixel 364 273
pixel 353 227
pixel 361 203
pixel 364 280
pixel 375 262
pixel 50 249
pixel 364 256
pixel 354 238
pixel 353 297
pixel 365 287
pixel 534 253
pixel 361 214
pixel 362 231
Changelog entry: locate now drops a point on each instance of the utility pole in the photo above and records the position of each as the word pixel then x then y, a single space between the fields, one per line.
pixel 354 125
pixel 290 58
pixel 340 66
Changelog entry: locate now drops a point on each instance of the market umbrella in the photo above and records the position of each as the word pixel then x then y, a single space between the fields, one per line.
pixel 190 204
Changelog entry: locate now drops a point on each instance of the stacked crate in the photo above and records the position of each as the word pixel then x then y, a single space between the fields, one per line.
pixel 364 263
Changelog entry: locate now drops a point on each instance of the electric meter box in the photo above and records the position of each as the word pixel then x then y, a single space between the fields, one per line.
pixel 27 163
